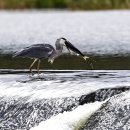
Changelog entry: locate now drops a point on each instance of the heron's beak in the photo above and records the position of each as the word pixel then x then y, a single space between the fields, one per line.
pixel 71 47
pixel 86 57
pixel 68 49
pixel 51 61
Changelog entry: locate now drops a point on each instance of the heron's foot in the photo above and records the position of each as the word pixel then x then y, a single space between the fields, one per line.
pixel 31 74
pixel 39 74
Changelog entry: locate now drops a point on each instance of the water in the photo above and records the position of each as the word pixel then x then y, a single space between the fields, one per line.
pixel 28 100
pixel 103 35
pixel 70 120
pixel 101 32
pixel 55 98
pixel 63 84
pixel 113 115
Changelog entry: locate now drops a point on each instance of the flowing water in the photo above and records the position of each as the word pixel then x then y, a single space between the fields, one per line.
pixel 26 101
pixel 55 99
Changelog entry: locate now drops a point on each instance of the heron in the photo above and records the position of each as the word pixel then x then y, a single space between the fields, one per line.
pixel 37 52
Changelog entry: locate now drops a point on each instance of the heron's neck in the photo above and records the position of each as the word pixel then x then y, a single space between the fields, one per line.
pixel 58 53
pixel 55 54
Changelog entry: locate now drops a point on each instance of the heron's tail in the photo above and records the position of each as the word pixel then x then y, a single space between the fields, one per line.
pixel 21 53
pixel 86 57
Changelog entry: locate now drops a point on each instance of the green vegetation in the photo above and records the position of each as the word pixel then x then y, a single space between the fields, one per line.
pixel 69 4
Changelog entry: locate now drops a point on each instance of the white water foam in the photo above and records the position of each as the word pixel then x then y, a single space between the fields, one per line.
pixel 61 84
pixel 99 32
pixel 72 120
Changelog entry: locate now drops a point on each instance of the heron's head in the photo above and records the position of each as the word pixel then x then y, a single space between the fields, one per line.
pixel 64 42
pixel 60 42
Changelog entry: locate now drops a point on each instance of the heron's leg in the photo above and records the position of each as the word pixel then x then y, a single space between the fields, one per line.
pixel 30 68
pixel 38 65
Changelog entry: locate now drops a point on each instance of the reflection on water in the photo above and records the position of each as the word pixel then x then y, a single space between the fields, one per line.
pixel 109 62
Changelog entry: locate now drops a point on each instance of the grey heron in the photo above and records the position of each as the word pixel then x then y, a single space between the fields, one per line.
pixel 47 51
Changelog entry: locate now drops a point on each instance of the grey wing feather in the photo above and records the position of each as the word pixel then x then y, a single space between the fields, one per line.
pixel 36 51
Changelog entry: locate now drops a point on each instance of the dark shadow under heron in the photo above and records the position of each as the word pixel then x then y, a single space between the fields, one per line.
pixel 47 51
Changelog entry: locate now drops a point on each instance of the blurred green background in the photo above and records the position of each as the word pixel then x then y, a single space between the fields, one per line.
pixel 65 4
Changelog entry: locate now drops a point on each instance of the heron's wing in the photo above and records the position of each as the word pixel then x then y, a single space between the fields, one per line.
pixel 36 51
